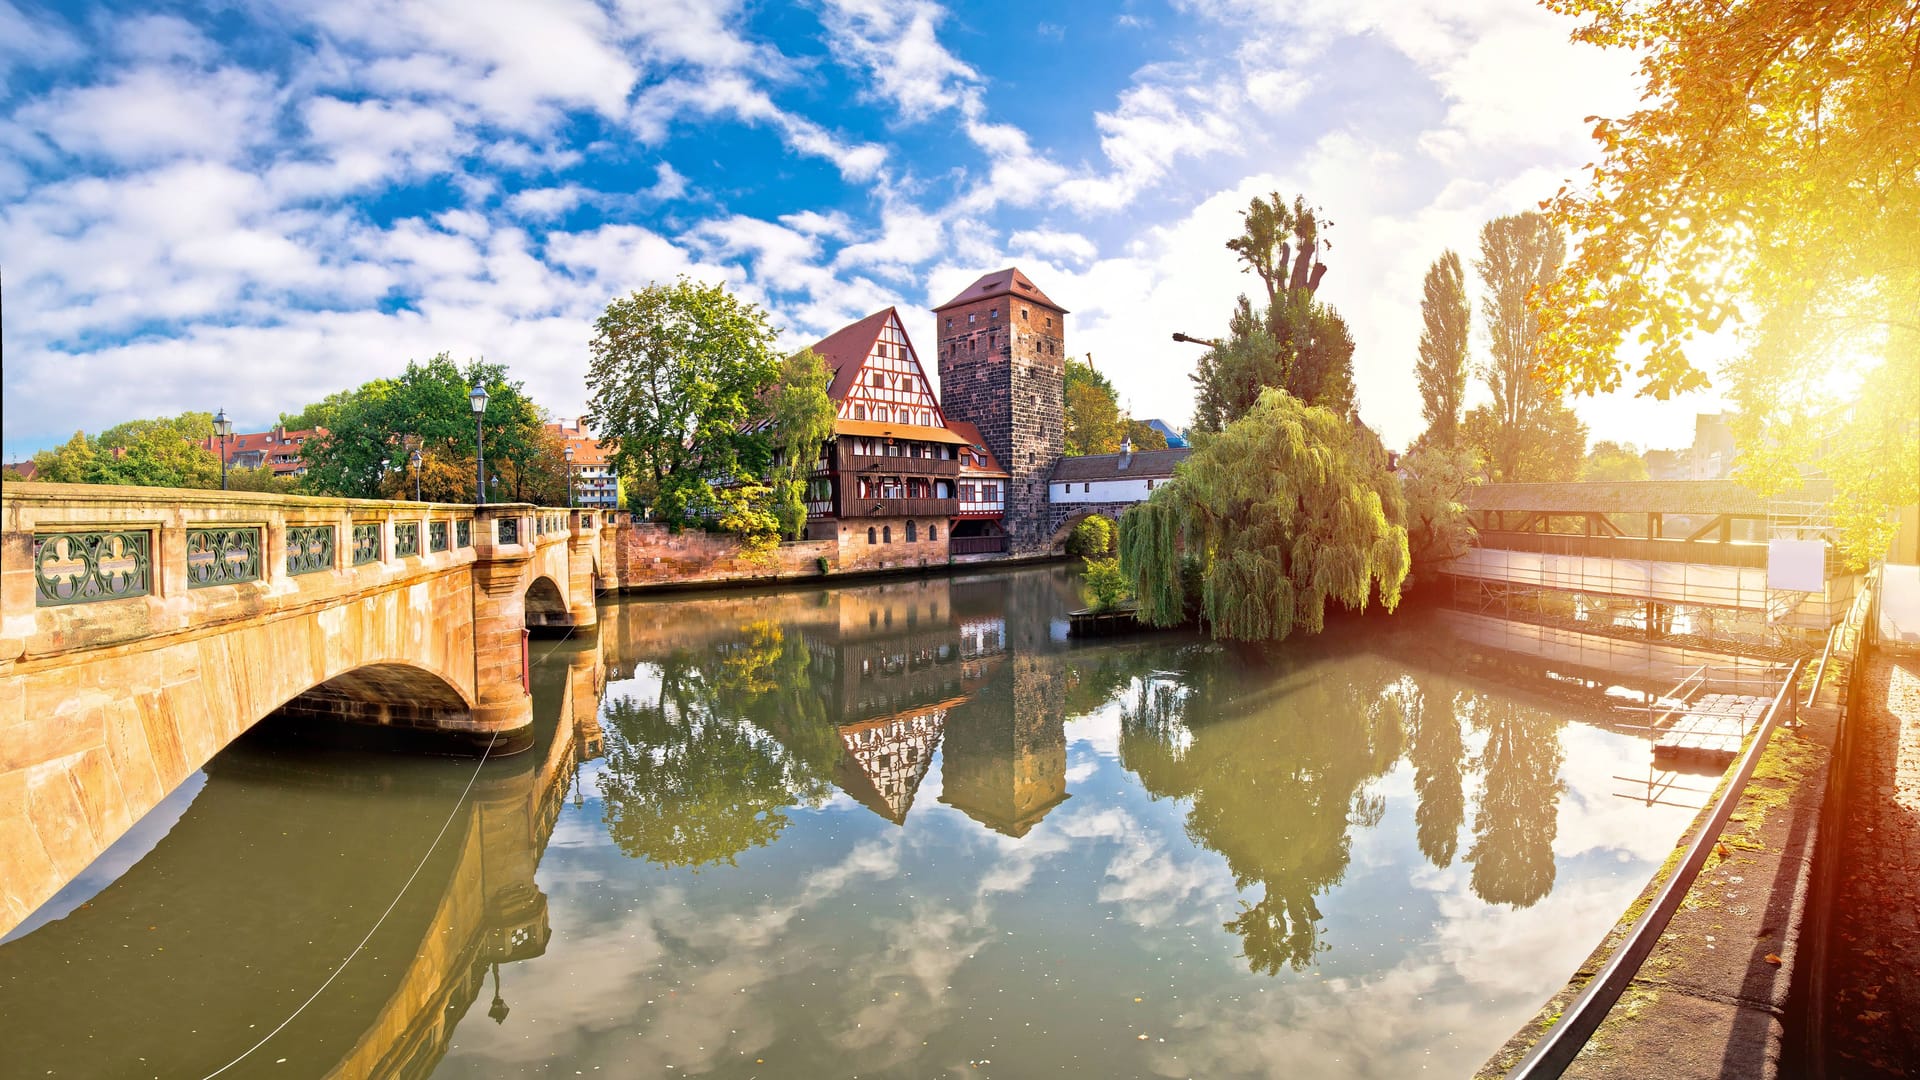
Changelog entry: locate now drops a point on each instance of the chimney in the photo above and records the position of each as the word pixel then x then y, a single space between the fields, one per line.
pixel 1126 452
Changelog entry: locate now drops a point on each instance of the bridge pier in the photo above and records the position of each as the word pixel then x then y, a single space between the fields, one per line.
pixel 503 704
pixel 583 544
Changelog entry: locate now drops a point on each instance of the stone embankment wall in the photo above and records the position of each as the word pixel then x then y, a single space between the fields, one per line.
pixel 638 556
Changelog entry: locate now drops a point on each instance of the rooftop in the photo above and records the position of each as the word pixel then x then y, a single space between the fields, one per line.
pixel 1141 465
pixel 1637 497
pixel 1001 283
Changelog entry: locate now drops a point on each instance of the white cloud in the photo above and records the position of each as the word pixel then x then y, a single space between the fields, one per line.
pixel 153 113
pixel 542 203
pixel 1066 245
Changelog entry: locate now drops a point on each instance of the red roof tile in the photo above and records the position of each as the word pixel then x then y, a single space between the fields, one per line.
pixel 1000 283
pixel 847 348
pixel 972 435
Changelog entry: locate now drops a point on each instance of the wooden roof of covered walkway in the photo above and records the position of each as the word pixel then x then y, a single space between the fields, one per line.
pixel 1639 497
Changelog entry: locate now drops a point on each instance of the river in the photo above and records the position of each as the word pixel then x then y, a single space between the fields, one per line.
pixel 893 829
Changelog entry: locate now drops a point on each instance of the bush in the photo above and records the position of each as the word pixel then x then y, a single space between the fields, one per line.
pixel 1093 536
pixel 822 563
pixel 1104 584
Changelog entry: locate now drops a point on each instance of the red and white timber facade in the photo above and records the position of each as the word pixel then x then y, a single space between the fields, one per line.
pixel 889 484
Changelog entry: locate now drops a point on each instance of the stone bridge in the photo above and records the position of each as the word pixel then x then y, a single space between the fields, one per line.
pixel 1062 517
pixel 142 629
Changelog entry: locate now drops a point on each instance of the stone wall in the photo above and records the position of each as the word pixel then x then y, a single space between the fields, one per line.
pixel 1011 385
pixel 648 556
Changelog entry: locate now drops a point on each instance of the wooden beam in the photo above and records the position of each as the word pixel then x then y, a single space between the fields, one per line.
pixel 1716 522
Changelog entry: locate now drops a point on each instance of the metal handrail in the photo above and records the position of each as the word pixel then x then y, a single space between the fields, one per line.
pixel 1676 693
pixel 1564 1041
pixel 1826 654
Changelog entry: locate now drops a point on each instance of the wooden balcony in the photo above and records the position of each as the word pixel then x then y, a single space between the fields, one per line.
pixel 856 507
pixel 848 463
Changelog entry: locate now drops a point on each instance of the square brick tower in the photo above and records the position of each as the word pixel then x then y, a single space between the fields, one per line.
pixel 1002 355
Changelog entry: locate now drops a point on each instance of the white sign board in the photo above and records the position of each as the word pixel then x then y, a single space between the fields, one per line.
pixel 1797 565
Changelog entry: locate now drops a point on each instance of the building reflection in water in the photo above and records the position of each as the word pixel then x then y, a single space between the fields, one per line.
pixel 714 719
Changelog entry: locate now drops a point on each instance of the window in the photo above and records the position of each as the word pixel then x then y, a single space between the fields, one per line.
pixel 859 412
pixel 876 379
pixel 969 318
pixel 949 324
pixel 1085 488
pixel 933 533
pixel 1149 485
pixel 994 314
pixel 910 533
pixel 869 534
pixel 886 534
pixel 1023 314
pixel 1049 322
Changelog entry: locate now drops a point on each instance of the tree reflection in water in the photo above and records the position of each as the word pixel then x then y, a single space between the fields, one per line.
pixel 1518 812
pixel 1439 757
pixel 688 782
pixel 1276 778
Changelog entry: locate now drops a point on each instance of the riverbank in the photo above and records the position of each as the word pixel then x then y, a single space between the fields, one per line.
pixel 1711 1000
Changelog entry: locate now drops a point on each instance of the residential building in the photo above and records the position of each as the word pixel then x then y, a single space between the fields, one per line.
pixel 594 481
pixel 1713 449
pixel 279 449
pixel 1129 476
pixel 887 484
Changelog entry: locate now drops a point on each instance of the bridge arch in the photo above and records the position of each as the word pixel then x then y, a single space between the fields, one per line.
pixel 1058 543
pixel 392 694
pixel 546 606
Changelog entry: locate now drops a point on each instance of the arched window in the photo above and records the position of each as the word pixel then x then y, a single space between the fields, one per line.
pixel 869 534
pixel 910 533
pixel 933 533
pixel 886 534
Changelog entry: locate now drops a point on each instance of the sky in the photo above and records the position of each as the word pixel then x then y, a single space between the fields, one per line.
pixel 251 204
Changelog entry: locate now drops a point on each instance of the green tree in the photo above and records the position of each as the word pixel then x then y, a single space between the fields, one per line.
pixel 162 452
pixel 72 463
pixel 1770 176
pixel 373 432
pixel 1442 367
pixel 1092 536
pixel 677 373
pixel 261 479
pixel 1294 342
pixel 1288 507
pixel 1526 433
pixel 1438 754
pixel 1103 584
pixel 1612 461
pixel 1435 481
pixel 800 421
pixel 317 415
pixel 1092 422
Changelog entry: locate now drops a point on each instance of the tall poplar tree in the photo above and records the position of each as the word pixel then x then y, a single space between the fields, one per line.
pixel 800 418
pixel 1447 319
pixel 1526 432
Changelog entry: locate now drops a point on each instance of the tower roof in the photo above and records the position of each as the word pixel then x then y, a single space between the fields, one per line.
pixel 1001 283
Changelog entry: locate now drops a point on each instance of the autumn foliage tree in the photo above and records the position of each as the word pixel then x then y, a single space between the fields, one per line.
pixel 1769 180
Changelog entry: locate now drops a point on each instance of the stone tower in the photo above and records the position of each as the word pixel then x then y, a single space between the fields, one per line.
pixel 1002 355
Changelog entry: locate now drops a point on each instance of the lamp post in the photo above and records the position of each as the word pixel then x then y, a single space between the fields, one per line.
pixel 477 398
pixel 222 427
pixel 568 453
pixel 414 460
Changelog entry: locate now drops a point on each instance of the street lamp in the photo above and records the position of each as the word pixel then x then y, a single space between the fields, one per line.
pixel 1191 340
pixel 477 397
pixel 568 452
pixel 415 462
pixel 222 427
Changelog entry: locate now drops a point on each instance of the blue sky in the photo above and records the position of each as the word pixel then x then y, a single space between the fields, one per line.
pixel 253 204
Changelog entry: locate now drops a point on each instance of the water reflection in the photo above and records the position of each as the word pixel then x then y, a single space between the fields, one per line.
pixel 858 829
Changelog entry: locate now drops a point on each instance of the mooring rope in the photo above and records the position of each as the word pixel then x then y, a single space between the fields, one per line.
pixel 444 826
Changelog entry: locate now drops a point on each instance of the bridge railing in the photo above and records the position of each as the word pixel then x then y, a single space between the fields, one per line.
pixel 89 565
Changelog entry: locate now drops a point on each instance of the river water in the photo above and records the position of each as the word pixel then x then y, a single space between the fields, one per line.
pixel 896 829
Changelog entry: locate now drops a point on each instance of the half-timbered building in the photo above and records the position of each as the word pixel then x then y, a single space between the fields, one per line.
pixel 891 477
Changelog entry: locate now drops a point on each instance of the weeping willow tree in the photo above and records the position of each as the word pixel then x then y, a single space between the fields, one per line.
pixel 1288 507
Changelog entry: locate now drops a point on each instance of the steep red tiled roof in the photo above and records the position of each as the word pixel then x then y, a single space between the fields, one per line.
pixel 1000 283
pixel 1142 465
pixel 972 434
pixel 847 348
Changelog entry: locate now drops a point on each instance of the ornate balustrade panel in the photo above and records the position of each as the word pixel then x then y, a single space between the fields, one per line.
pixel 509 530
pixel 366 542
pixel 310 548
pixel 84 567
pixel 436 536
pixel 222 556
pixel 406 539
pixel 463 532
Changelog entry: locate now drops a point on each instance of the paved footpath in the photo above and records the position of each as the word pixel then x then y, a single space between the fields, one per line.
pixel 1874 968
